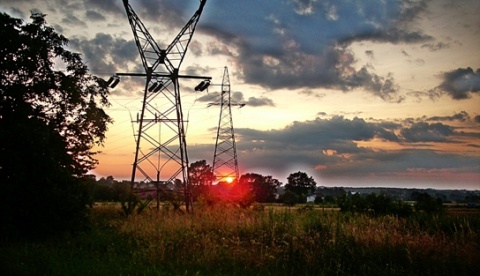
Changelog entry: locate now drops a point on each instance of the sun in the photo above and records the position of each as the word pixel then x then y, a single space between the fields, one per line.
pixel 229 179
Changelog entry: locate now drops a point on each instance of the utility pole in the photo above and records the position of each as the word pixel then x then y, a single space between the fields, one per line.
pixel 161 160
pixel 225 163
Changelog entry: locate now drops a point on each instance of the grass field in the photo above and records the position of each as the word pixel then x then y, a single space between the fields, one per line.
pixel 260 241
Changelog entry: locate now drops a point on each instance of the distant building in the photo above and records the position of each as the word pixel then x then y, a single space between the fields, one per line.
pixel 311 198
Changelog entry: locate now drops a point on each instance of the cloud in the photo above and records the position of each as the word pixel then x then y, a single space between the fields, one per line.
pixel 210 97
pixel 401 163
pixel 273 48
pixel 336 133
pixel 105 6
pixel 94 16
pixel 435 47
pixel 72 20
pixel 394 36
pixel 332 69
pixel 173 14
pixel 388 22
pixel 370 54
pixel 460 83
pixel 331 147
pixel 106 54
pixel 237 98
pixel 425 132
pixel 461 117
pixel 262 101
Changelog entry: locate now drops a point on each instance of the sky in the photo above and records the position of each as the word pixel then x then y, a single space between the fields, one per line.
pixel 371 93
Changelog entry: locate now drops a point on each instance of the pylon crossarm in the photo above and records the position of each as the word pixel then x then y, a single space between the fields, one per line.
pixel 149 50
pixel 178 48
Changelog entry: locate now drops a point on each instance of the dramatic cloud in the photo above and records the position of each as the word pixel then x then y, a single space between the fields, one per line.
pixel 106 54
pixel 424 132
pixel 272 49
pixel 392 164
pixel 336 134
pixel 461 83
pixel 331 147
pixel 330 52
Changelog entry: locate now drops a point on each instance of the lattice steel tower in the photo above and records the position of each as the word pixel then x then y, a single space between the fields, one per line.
pixel 225 163
pixel 161 158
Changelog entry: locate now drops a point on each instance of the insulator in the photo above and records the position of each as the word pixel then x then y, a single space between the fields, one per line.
pixel 110 80
pixel 203 85
pixel 115 82
pixel 197 88
pixel 159 86
pixel 152 87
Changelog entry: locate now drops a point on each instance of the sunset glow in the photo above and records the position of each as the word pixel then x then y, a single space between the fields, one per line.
pixel 376 93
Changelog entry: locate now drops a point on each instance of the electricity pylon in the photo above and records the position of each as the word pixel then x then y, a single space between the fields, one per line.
pixel 225 163
pixel 161 158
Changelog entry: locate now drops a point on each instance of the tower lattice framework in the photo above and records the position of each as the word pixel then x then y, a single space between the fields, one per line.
pixel 161 160
pixel 225 162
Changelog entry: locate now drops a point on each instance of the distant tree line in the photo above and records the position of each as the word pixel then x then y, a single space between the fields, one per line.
pixel 379 205
pixel 256 188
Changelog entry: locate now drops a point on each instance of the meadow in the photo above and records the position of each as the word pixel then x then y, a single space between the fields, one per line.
pixel 227 240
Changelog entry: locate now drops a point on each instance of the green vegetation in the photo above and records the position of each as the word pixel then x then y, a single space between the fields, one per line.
pixel 50 118
pixel 256 241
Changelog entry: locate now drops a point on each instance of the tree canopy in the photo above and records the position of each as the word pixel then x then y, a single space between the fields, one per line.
pixel 200 173
pixel 51 116
pixel 263 188
pixel 301 184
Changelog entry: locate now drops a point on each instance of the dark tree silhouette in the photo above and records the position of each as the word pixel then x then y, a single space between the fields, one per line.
pixel 200 173
pixel 50 119
pixel 200 177
pixel 263 188
pixel 428 204
pixel 301 184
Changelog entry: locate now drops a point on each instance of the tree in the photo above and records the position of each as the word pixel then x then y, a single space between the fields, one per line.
pixel 200 177
pixel 301 184
pixel 50 119
pixel 200 174
pixel 289 198
pixel 428 204
pixel 263 188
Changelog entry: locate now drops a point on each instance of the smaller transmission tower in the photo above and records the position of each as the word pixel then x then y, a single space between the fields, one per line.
pixel 225 163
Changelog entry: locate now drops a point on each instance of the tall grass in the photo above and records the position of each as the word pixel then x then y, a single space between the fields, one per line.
pixel 230 241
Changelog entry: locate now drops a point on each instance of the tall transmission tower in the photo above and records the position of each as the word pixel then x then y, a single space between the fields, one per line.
pixel 225 163
pixel 161 158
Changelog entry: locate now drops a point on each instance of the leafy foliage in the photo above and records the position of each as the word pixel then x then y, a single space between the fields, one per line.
pixel 264 188
pixel 428 204
pixel 377 205
pixel 301 184
pixel 49 121
pixel 200 177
